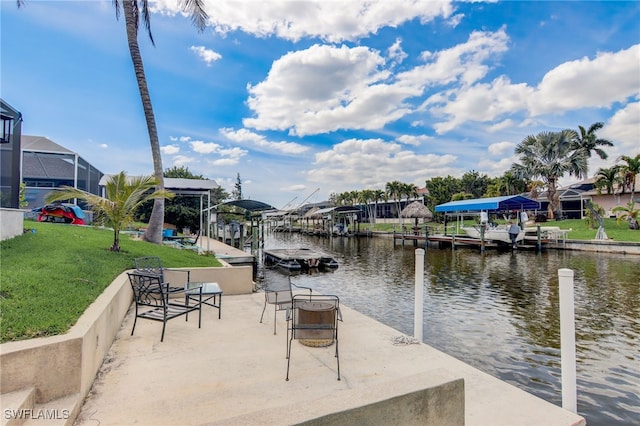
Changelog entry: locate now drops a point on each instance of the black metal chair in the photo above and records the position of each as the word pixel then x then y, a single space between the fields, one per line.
pixel 152 301
pixel 313 320
pixel 279 293
pixel 153 266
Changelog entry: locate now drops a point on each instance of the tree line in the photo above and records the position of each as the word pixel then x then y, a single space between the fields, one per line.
pixel 543 160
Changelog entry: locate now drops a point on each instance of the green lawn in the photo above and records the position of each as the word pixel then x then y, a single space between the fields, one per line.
pixel 51 276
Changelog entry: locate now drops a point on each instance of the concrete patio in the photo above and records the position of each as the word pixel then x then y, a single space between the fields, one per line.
pixel 232 371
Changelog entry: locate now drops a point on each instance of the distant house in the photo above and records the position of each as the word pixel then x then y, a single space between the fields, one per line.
pixel 574 197
pixel 609 201
pixel 47 165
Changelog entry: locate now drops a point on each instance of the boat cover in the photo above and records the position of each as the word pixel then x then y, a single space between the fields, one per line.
pixel 507 202
pixel 251 205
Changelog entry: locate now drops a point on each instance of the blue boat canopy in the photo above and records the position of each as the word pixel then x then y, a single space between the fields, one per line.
pixel 507 202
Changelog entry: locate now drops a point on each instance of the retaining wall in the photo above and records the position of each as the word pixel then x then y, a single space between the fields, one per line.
pixel 11 223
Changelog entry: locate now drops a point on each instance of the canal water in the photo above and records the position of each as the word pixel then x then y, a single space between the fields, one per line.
pixel 499 312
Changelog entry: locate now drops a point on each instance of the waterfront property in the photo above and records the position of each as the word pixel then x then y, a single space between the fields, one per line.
pixel 228 372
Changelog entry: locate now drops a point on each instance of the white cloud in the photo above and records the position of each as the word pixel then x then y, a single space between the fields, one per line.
pixel 104 146
pixel 170 149
pixel 326 88
pixel 225 162
pixel 182 160
pixel 294 188
pixel 371 163
pixel 455 20
pixel 463 64
pixel 505 124
pixel 293 20
pixel 609 77
pixel 396 53
pixel 204 147
pixel 623 129
pixel 230 156
pixel 500 148
pixel 323 88
pixel 207 55
pixel 412 139
pixel 482 103
pixel 496 167
pixel 244 136
pixel 234 152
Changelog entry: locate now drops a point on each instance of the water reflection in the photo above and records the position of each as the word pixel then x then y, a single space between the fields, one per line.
pixel 499 312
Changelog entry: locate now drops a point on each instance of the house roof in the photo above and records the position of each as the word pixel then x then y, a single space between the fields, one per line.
pixel 508 202
pixel 39 165
pixel 42 144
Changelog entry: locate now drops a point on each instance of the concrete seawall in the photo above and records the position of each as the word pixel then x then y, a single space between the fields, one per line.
pixel 598 246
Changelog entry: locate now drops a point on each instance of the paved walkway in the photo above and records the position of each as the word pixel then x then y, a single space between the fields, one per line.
pixel 232 371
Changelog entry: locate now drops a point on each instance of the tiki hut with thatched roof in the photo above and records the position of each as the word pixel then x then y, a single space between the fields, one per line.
pixel 417 210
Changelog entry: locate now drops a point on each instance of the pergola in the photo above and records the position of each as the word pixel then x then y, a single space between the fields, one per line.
pixel 185 187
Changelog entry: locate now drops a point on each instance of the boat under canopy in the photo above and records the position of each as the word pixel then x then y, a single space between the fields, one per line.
pixel 487 230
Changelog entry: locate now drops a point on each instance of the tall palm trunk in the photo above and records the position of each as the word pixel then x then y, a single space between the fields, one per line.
pixel 554 200
pixel 156 221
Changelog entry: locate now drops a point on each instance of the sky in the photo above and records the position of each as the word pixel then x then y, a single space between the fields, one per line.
pixel 302 99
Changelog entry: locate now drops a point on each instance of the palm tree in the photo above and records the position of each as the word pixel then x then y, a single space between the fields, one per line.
pixel 593 215
pixel 132 15
pixel 410 190
pixel 630 213
pixel 394 190
pixel 630 170
pixel 587 141
pixel 365 197
pixel 378 195
pixel 607 179
pixel 549 156
pixel 534 187
pixel 494 189
pixel 124 196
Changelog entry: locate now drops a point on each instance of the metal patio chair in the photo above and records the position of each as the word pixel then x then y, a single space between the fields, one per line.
pixel 153 265
pixel 152 302
pixel 313 320
pixel 279 293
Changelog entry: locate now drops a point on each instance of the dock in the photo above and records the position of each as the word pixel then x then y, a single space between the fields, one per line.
pixel 300 259
pixel 461 240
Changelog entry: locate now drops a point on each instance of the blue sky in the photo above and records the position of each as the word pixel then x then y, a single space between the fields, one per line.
pixel 332 95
